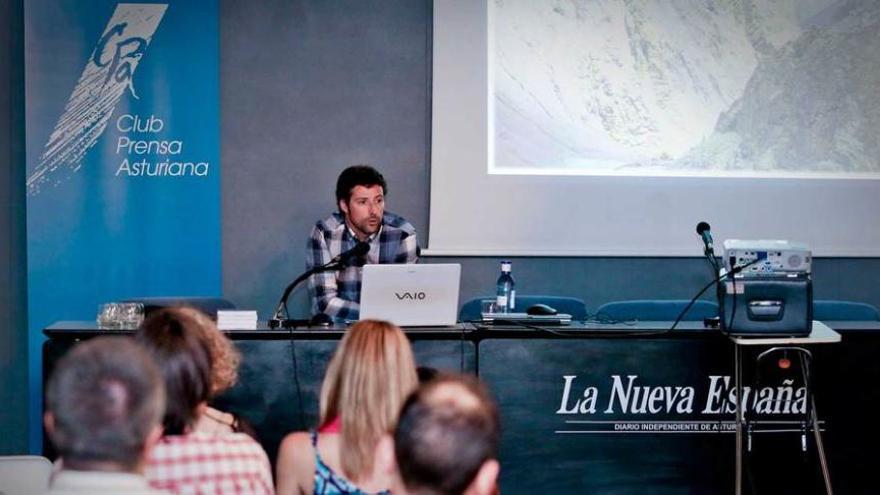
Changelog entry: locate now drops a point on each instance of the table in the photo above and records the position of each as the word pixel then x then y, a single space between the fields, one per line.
pixel 543 451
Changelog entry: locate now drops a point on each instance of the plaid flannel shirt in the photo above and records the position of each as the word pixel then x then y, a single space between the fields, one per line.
pixel 338 294
pixel 198 463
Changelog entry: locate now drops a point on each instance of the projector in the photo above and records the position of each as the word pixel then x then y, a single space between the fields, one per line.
pixel 772 258
pixel 773 296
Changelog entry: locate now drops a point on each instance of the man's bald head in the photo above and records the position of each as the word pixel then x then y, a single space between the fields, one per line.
pixel 447 431
pixel 104 401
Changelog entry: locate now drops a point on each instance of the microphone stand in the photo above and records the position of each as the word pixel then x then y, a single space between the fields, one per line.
pixel 703 230
pixel 281 317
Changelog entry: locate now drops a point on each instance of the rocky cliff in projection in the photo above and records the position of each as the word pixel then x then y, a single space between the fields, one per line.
pixel 812 107
pixel 684 87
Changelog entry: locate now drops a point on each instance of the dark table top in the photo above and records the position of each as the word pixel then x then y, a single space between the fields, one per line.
pixel 466 330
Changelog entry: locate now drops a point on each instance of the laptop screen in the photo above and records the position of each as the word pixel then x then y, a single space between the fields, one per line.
pixel 411 294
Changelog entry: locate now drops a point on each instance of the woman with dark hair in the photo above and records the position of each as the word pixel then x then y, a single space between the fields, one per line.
pixel 224 374
pixel 186 460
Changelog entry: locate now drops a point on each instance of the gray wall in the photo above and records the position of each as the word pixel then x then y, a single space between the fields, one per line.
pixel 309 87
pixel 13 265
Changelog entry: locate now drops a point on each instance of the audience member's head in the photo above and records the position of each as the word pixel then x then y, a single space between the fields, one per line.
pixel 225 358
pixel 174 338
pixel 367 381
pixel 104 403
pixel 446 439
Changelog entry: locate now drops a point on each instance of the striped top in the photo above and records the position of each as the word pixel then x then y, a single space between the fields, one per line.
pixel 198 463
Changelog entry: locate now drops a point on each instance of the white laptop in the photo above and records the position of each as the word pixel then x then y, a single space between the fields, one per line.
pixel 411 294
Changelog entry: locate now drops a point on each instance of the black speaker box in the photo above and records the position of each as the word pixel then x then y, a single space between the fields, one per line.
pixel 767 306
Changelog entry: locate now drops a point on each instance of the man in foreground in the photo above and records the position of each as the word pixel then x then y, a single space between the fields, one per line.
pixel 446 440
pixel 104 404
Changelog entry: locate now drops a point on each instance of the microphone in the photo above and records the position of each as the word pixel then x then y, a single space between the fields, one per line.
pixel 339 262
pixel 346 258
pixel 704 232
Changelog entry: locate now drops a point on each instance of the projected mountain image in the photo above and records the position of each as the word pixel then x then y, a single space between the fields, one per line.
pixel 686 87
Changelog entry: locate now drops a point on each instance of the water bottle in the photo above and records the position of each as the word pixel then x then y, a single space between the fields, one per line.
pixel 505 300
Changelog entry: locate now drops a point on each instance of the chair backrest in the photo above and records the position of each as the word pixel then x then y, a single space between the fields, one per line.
pixel 825 310
pixel 573 306
pixel 24 474
pixel 657 310
pixel 207 305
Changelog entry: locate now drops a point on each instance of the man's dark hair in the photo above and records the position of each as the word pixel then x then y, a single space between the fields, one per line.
pixel 447 429
pixel 171 337
pixel 358 175
pixel 105 396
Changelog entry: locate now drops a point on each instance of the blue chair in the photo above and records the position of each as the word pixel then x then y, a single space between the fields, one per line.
pixel 657 310
pixel 573 306
pixel 826 310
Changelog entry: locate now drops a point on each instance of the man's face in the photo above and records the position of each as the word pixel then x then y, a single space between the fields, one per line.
pixel 364 209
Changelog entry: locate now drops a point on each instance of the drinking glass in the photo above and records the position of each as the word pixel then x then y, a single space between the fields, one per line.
pixel 108 316
pixel 488 306
pixel 131 314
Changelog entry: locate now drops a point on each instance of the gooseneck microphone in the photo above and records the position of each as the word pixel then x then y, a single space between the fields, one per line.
pixel 703 230
pixel 352 257
pixel 349 257
pixel 705 233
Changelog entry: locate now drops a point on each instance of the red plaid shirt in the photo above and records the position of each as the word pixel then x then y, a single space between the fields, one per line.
pixel 200 464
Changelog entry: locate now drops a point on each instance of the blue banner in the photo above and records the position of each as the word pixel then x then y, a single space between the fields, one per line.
pixel 123 158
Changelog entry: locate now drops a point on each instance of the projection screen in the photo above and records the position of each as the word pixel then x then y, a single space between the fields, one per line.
pixel 613 128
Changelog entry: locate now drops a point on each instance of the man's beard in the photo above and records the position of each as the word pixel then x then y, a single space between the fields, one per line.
pixel 369 228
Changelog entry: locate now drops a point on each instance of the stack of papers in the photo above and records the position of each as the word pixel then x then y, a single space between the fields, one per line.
pixel 236 320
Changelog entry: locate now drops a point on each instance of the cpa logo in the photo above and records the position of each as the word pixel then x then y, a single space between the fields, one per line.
pixel 412 296
pixel 124 52
pixel 106 76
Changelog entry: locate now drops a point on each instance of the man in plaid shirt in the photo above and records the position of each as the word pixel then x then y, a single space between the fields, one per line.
pixel 360 195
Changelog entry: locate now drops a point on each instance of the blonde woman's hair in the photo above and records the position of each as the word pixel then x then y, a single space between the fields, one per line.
pixel 367 381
